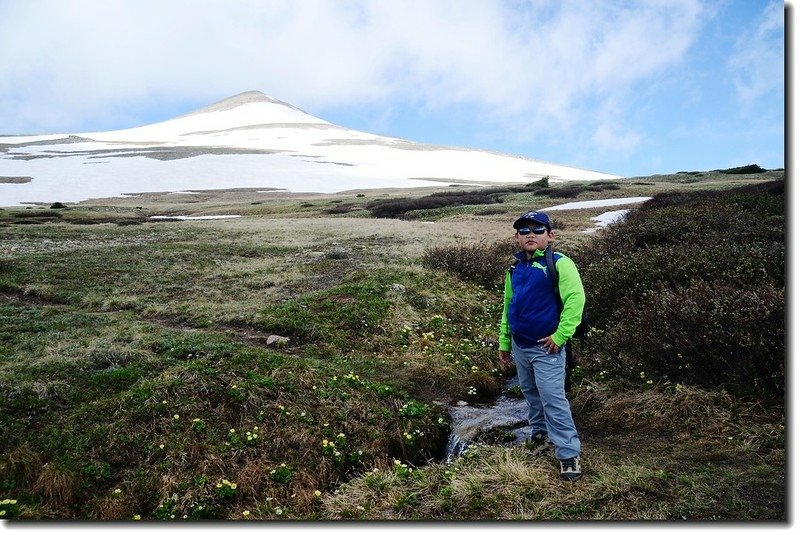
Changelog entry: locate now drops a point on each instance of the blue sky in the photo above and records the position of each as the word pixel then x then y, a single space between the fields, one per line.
pixel 624 87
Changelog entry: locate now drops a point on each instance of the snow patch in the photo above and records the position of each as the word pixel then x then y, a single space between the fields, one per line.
pixel 193 217
pixel 600 203
pixel 607 218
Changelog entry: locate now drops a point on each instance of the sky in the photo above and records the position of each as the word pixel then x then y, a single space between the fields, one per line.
pixel 631 88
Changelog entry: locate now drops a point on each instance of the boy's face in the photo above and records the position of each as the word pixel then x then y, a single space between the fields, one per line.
pixel 537 238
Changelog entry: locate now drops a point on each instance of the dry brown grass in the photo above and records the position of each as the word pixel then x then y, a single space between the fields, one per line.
pixel 664 409
pixel 57 486
pixel 113 507
pixel 21 464
pixel 655 408
pixel 253 478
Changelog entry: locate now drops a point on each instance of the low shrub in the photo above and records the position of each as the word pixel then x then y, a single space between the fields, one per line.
pixel 482 264
pixel 341 209
pixel 612 279
pixel 574 189
pixel 713 335
pixel 400 208
pixel 744 170
pixel 752 213
pixel 690 288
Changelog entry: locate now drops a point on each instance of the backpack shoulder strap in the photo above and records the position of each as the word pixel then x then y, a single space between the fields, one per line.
pixel 551 269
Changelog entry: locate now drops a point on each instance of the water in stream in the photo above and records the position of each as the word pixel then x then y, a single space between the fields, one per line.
pixel 469 422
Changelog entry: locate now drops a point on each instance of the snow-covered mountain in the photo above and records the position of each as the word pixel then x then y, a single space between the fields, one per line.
pixel 246 141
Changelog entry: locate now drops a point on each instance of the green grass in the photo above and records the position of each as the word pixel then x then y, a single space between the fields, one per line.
pixel 137 381
pixel 169 402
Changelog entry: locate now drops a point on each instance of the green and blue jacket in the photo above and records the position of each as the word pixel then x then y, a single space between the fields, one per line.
pixel 530 304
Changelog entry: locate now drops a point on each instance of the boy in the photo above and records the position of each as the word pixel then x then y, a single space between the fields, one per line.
pixel 535 328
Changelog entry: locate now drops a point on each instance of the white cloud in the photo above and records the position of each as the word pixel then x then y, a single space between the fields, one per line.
pixel 532 66
pixel 611 137
pixel 758 57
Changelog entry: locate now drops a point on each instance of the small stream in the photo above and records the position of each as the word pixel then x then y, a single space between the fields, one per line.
pixel 469 422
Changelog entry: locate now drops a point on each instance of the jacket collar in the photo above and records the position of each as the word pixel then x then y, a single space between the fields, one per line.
pixel 522 257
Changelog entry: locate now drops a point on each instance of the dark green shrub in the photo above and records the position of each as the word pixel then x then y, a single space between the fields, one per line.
pixel 737 236
pixel 573 189
pixel 397 208
pixel 744 170
pixel 543 182
pixel 753 213
pixel 713 335
pixel 700 275
pixel 43 214
pixel 341 209
pixel 566 192
pixel 614 278
pixel 482 264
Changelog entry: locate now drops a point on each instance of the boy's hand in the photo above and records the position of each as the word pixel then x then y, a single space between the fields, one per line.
pixel 549 345
pixel 505 358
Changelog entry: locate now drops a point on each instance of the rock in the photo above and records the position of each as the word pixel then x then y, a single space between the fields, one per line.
pixel 276 340
pixel 338 253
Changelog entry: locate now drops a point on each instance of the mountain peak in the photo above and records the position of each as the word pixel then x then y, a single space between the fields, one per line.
pixel 242 99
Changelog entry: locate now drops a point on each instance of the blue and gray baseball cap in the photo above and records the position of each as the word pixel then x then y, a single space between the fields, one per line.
pixel 533 217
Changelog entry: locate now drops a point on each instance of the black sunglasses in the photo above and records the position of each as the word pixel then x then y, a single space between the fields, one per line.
pixel 527 230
